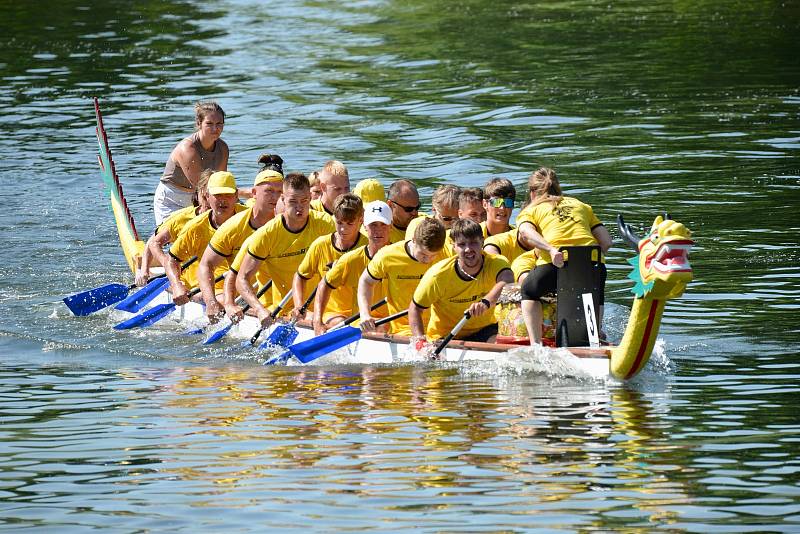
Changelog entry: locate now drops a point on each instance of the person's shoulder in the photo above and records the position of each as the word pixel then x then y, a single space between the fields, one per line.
pixel 497 262
pixel 390 250
pixel 356 254
pixel 320 219
pixel 443 266
pixel 320 242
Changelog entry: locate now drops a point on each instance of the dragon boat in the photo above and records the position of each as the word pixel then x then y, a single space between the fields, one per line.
pixel 661 271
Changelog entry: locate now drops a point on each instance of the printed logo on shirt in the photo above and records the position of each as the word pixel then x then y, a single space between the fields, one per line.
pixel 473 298
pixel 288 254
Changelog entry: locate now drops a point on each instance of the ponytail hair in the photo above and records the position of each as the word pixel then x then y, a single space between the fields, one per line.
pixel 271 162
pixel 544 186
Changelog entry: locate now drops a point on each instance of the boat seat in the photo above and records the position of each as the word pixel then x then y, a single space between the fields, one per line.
pixel 574 279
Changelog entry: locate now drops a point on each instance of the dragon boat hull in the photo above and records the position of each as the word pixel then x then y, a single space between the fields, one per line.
pixel 623 361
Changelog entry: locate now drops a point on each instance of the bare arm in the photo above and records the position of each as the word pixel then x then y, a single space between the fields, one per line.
pixel 298 297
pixel 173 270
pixel 491 249
pixel 366 285
pixel 153 250
pixel 603 237
pixel 244 279
pixel 530 238
pixel 506 276
pixel 415 320
pixel 232 310
pixel 205 278
pixel 320 303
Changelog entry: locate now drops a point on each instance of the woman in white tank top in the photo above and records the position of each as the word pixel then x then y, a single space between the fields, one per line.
pixel 202 150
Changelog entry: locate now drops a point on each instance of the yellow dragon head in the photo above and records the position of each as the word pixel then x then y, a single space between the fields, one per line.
pixel 662 269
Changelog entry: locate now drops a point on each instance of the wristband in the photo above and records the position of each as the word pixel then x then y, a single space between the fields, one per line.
pixel 486 303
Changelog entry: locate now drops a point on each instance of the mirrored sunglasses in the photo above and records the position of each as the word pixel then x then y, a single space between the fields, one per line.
pixel 497 202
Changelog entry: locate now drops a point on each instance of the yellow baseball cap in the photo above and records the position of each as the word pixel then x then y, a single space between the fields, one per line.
pixel 266 176
pixel 222 183
pixel 370 190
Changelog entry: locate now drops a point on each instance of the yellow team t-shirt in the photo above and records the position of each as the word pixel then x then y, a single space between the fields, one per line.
pixel 343 278
pixel 568 223
pixel 508 243
pixel 228 240
pixel 400 273
pixel 177 220
pixel 282 250
pixel 448 293
pixel 486 230
pixel 317 205
pixel 321 256
pixel 192 241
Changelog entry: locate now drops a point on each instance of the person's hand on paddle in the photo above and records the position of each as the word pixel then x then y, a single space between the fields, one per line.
pixel 142 276
pixel 477 309
pixel 265 317
pixel 179 295
pixel 367 324
pixel 214 312
pixel 298 314
pixel 234 313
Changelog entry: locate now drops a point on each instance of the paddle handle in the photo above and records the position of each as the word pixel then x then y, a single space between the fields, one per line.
pixel 453 333
pixel 391 318
pixel 272 315
pixel 258 295
pixel 353 318
pixel 307 303
pixel 196 290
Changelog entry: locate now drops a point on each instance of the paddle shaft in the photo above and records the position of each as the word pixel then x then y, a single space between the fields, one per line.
pixel 272 315
pixel 453 333
pixel 353 318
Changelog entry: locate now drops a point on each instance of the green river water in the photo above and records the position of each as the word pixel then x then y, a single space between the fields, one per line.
pixel 642 107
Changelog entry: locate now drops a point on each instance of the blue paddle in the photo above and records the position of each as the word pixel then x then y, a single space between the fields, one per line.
pixel 274 314
pixel 154 287
pixel 92 300
pixel 219 334
pixel 96 299
pixel 156 313
pixel 285 334
pixel 309 350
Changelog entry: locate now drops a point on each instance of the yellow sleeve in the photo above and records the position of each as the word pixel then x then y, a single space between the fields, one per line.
pixel 428 291
pixel 377 266
pixel 260 243
pixel 336 275
pixel 310 265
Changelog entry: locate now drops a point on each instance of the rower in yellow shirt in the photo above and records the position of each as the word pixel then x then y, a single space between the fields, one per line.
pixel 399 268
pixel 470 204
pixel 403 199
pixel 192 241
pixel 167 232
pixel 444 207
pixel 336 295
pixel 498 201
pixel 470 281
pixel 228 239
pixel 280 244
pixel 348 214
pixel 334 180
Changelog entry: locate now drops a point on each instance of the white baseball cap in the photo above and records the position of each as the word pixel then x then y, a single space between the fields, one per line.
pixel 377 211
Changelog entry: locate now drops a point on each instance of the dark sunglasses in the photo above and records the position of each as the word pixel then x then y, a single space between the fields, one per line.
pixel 497 202
pixel 407 209
pixel 444 218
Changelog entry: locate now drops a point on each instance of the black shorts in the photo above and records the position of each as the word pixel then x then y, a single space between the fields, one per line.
pixel 544 280
pixel 484 333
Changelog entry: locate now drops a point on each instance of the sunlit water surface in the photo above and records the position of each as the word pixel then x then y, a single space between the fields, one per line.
pixel 641 107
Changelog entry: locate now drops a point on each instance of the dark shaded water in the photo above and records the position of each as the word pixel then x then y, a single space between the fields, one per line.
pixel 691 107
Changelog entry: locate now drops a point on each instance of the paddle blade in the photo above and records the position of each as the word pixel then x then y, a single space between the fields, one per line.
pixel 308 351
pixel 283 336
pixel 147 318
pixel 138 300
pixel 96 299
pixel 279 358
pixel 217 335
